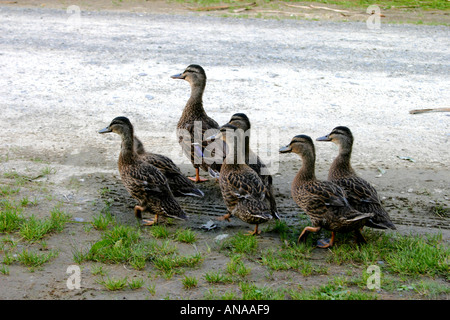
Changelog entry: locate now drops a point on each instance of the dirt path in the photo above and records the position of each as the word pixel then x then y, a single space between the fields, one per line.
pixel 64 79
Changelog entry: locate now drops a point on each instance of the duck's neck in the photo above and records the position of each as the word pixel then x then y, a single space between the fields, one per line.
pixel 195 103
pixel 307 171
pixel 238 153
pixel 341 166
pixel 127 152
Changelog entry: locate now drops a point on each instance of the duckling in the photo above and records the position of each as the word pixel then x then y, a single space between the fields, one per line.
pixel 142 180
pixel 242 189
pixel 195 124
pixel 323 201
pixel 178 183
pixel 360 193
pixel 241 121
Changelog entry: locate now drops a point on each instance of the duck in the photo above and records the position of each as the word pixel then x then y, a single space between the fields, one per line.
pixel 194 125
pixel 360 193
pixel 179 184
pixel 323 201
pixel 143 181
pixel 241 121
pixel 243 190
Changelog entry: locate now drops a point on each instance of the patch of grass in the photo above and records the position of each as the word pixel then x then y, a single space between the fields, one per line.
pixel 237 267
pixel 160 232
pixel 217 278
pixel 8 190
pixel 102 221
pixel 252 292
pixel 117 245
pixel 11 216
pixel 4 269
pixel 335 289
pixel 151 288
pixel 186 236
pixel 34 229
pixel 241 243
pixel 385 4
pixel 189 282
pixel 47 170
pixel 98 270
pixel 113 284
pixel 292 257
pixel 34 260
pixel 431 290
pixel 441 210
pixel 411 255
pixel 414 255
pixel 136 283
pixel 170 265
pixel 228 295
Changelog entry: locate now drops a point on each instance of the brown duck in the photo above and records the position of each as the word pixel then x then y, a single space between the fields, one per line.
pixel 323 201
pixel 360 194
pixel 241 121
pixel 195 125
pixel 242 189
pixel 179 184
pixel 142 180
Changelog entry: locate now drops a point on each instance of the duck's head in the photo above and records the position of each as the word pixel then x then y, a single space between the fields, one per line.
pixel 240 120
pixel 339 135
pixel 300 144
pixel 118 125
pixel 193 74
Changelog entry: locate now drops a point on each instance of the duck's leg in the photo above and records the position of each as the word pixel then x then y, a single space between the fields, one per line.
pixel 328 244
pixel 138 214
pixel 254 232
pixel 359 238
pixel 225 217
pixel 150 222
pixel 197 177
pixel 305 231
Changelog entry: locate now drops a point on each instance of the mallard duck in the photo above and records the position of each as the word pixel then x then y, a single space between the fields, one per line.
pixel 142 180
pixel 241 121
pixel 242 189
pixel 194 125
pixel 360 194
pixel 323 201
pixel 178 183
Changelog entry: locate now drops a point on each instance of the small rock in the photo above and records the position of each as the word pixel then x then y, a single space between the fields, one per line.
pixel 220 237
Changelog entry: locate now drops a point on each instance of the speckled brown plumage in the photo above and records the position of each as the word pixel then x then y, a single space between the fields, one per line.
pixel 179 183
pixel 142 180
pixel 194 124
pixel 243 191
pixel 241 121
pixel 323 201
pixel 360 193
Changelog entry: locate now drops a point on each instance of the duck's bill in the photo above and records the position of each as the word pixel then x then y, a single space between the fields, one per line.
pixel 105 130
pixel 285 149
pixel 177 76
pixel 324 138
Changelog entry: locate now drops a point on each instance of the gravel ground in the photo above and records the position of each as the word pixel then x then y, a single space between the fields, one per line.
pixel 290 76
pixel 65 77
